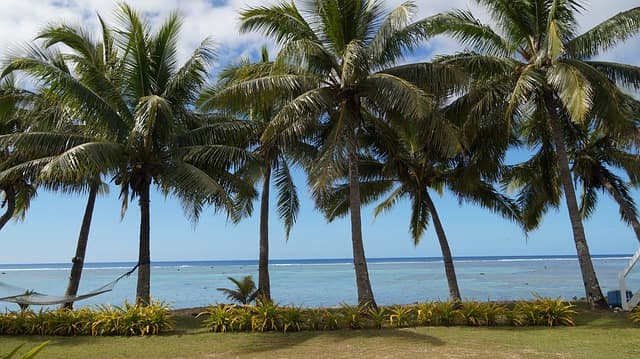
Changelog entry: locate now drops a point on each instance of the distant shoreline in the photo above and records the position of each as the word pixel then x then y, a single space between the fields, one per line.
pixel 309 261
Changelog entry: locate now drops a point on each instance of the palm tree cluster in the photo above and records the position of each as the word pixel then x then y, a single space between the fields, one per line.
pixel 341 102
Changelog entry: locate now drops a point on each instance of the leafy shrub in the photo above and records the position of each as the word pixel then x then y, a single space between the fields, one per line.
pixel 242 318
pixel 331 320
pixel 292 318
pixel 353 315
pixel 315 319
pixel 400 316
pixel 493 313
pixel 553 312
pixel 445 313
pixel 378 316
pixel 219 318
pixel 634 315
pixel 472 313
pixel 266 316
pixel 425 313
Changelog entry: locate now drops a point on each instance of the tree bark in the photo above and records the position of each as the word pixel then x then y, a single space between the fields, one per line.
pixel 81 247
pixel 264 286
pixel 10 198
pixel 589 278
pixel 633 220
pixel 449 269
pixel 143 292
pixel 365 293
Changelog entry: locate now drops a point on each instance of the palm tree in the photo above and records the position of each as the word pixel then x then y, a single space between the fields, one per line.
pixel 272 158
pixel 406 164
pixel 18 108
pixel 595 164
pixel 345 52
pixel 541 68
pixel 245 291
pixel 139 124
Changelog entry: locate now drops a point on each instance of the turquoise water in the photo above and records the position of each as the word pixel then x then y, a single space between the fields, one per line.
pixel 329 282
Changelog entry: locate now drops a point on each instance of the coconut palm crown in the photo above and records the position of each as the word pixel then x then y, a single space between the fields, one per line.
pixel 136 105
pixel 534 60
pixel 347 54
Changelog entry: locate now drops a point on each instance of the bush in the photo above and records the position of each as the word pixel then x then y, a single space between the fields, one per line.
pixel 353 315
pixel 292 318
pixel 635 315
pixel 377 316
pixel 543 311
pixel 400 316
pixel 493 313
pixel 445 313
pixel 266 316
pixel 425 313
pixel 552 312
pixel 105 320
pixel 219 318
pixel 472 313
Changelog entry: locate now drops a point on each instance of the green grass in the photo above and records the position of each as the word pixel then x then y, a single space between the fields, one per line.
pixel 596 335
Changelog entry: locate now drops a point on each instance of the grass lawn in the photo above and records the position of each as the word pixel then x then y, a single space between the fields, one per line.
pixel 597 335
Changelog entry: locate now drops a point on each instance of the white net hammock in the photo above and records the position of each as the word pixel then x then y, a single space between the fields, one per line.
pixel 29 297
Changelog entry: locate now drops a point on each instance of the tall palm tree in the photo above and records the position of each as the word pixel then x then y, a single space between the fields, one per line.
pixel 139 124
pixel 346 52
pixel 536 62
pixel 272 158
pixel 405 163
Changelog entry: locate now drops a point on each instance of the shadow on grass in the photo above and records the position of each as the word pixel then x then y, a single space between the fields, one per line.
pixel 263 342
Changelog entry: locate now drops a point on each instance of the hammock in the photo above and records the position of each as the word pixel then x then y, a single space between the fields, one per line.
pixel 35 298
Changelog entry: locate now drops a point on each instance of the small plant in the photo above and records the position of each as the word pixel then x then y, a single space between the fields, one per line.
pixel 331 320
pixel 244 292
pixel 242 318
pixel 292 318
pixel 553 312
pixel 266 316
pixel 219 318
pixel 377 316
pixel 493 313
pixel 524 313
pixel 445 313
pixel 425 313
pixel 471 313
pixel 315 319
pixel 400 316
pixel 353 315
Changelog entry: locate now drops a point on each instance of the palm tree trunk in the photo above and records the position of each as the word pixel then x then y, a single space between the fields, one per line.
pixel 365 293
pixel 450 272
pixel 10 198
pixel 81 248
pixel 628 213
pixel 589 278
pixel 143 292
pixel 264 286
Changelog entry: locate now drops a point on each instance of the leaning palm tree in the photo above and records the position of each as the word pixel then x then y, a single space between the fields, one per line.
pixel 536 62
pixel 346 53
pixel 271 159
pixel 140 128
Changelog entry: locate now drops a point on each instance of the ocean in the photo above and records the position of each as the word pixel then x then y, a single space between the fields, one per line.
pixel 328 282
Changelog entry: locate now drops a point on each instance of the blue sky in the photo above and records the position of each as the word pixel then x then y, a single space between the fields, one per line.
pixel 50 230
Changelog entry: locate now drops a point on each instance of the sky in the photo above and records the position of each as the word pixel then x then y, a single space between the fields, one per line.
pixel 49 232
